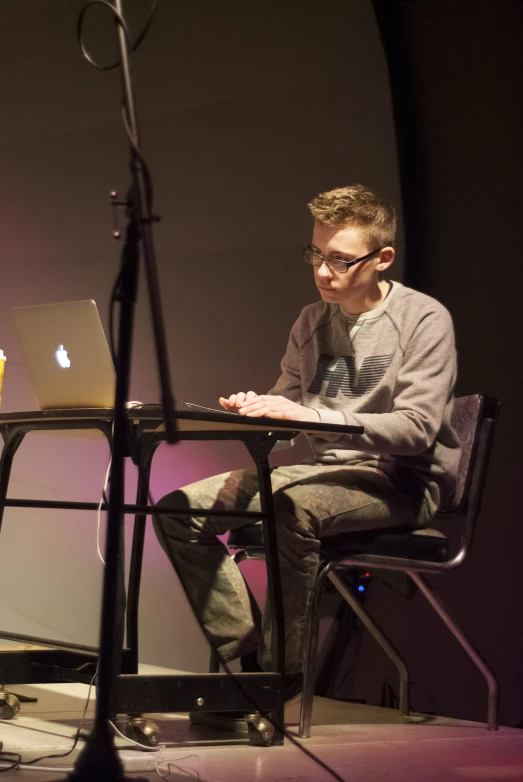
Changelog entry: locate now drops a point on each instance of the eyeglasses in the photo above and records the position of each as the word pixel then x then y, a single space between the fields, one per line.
pixel 335 263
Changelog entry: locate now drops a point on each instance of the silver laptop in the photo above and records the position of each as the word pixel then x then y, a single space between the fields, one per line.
pixel 66 355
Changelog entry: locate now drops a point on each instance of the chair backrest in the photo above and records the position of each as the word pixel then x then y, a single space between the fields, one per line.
pixel 473 418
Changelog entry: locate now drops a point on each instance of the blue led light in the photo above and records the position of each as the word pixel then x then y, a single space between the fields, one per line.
pixel 361 588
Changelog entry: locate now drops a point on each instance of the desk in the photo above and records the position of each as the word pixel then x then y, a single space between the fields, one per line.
pixel 74 662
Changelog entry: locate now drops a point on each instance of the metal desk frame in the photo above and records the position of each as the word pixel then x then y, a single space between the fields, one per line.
pixel 134 694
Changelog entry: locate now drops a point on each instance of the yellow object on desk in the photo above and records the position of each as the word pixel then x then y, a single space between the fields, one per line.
pixel 2 368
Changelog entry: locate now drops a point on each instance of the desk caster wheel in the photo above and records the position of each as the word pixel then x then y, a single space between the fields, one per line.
pixel 260 730
pixel 143 731
pixel 9 705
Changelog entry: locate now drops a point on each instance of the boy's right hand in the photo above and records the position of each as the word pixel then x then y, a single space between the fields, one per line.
pixel 235 401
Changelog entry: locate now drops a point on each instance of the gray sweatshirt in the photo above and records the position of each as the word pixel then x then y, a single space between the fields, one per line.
pixel 391 370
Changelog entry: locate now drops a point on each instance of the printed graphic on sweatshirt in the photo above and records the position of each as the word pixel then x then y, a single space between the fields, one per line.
pixel 340 374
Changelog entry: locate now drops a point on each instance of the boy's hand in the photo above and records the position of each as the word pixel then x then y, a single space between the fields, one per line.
pixel 254 405
pixel 236 401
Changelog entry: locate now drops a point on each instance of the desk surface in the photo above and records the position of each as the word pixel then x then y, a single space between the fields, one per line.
pixel 151 419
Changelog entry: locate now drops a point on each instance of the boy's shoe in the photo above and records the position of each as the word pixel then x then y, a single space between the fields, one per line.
pixel 235 720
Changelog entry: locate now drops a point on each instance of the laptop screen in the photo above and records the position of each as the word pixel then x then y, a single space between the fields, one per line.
pixel 66 355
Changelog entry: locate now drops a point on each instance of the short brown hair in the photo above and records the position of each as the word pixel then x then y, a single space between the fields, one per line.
pixel 360 207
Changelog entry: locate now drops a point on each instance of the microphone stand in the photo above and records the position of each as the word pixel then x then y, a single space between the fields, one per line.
pixel 99 759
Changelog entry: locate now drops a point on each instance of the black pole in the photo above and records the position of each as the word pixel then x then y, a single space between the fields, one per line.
pixel 99 760
pixel 145 219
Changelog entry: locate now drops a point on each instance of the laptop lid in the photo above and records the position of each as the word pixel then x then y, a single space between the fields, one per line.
pixel 66 355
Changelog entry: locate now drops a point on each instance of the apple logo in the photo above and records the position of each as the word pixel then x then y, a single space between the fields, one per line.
pixel 62 357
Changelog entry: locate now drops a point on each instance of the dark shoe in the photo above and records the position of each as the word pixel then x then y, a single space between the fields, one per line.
pixel 235 720
pixel 292 686
pixel 223 720
pixel 249 663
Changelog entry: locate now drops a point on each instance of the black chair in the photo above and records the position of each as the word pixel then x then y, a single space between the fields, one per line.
pixel 410 552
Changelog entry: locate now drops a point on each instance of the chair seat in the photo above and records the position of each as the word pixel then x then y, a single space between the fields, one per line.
pixel 429 545
pixel 250 537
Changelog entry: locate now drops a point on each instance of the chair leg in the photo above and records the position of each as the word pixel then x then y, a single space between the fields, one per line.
pixel 381 638
pixel 436 603
pixel 310 644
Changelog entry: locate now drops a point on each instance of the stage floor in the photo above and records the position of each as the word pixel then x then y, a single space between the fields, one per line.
pixel 361 743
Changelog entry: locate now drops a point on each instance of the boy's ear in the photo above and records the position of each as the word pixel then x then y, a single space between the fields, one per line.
pixel 386 258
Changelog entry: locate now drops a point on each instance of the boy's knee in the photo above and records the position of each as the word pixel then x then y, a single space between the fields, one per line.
pixel 164 519
pixel 291 513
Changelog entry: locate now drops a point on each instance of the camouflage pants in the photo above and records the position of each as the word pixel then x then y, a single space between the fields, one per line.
pixel 311 501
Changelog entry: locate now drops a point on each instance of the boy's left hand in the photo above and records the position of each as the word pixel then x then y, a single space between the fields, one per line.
pixel 278 407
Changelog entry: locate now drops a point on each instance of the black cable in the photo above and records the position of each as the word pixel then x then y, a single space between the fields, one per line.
pixel 138 152
pixel 112 302
pixel 8 755
pixel 392 692
pixel 16 763
pixel 133 46
pixel 132 139
pixel 428 692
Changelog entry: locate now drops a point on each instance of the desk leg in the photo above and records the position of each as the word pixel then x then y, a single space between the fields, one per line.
pixel 12 442
pixel 144 460
pixel 274 591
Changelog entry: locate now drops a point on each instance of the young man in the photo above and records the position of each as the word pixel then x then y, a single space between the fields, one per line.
pixel 372 353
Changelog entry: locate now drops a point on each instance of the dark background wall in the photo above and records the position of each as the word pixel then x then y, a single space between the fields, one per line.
pixel 456 76
pixel 247 111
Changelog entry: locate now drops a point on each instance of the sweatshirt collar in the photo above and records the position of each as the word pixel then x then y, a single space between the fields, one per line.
pixel 371 314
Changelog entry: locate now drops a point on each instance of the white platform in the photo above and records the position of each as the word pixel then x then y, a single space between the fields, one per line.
pixel 362 743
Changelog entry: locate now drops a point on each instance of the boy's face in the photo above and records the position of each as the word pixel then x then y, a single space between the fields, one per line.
pixel 358 285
